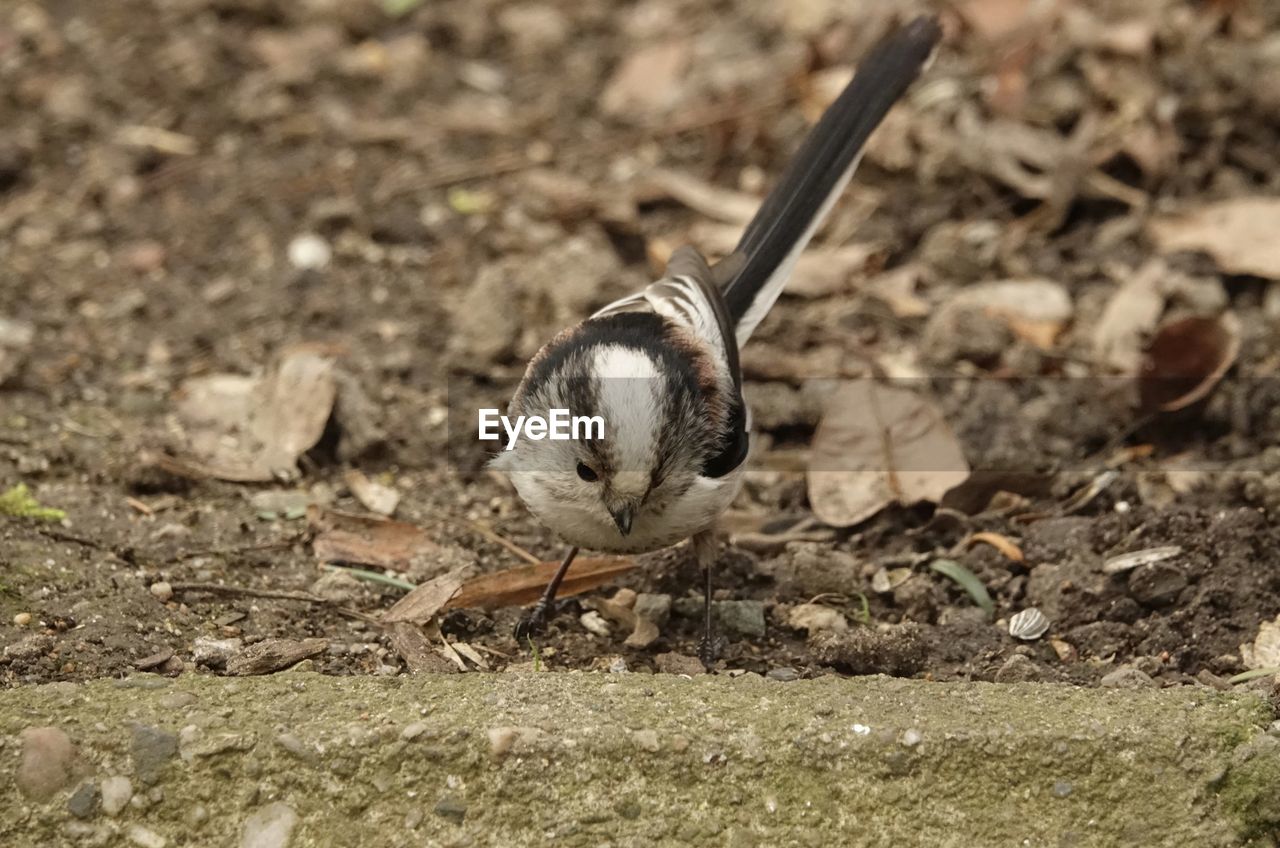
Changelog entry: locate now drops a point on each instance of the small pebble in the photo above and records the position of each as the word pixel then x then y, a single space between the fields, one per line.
pixel 452 809
pixel 912 737
pixel 116 792
pixel 83 803
pixel 309 252
pixel 269 827
pixel 656 608
pixel 413 731
pixel 22 619
pixel 646 740
pixel 1126 677
pixel 595 623
pixel 47 759
pixel 162 591
pixel 145 837
pixel 618 666
pixel 784 673
pixel 813 618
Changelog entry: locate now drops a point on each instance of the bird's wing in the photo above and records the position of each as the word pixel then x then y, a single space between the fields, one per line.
pixel 688 297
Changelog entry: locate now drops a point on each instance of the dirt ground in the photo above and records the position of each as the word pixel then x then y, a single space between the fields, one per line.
pixel 484 173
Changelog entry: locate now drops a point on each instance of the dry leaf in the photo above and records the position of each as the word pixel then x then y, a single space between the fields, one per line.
pixel 525 583
pixel 375 497
pixel 1265 650
pixel 1130 315
pixel 1240 234
pixel 878 445
pixel 426 600
pixel 1186 360
pixel 648 82
pixel 365 540
pixel 715 202
pixel 254 429
pixel 1034 309
pixel 898 289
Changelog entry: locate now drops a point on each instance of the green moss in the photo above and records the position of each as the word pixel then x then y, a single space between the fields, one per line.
pixel 19 503
pixel 1251 790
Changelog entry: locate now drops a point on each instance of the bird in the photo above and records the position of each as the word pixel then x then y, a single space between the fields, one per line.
pixel 661 367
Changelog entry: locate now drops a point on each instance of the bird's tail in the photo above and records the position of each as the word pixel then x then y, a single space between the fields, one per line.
pixel 815 178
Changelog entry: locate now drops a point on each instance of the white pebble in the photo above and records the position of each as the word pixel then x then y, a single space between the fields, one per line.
pixel 309 252
pixel 162 591
pixel 22 619
pixel 116 792
pixel 145 837
pixel 595 623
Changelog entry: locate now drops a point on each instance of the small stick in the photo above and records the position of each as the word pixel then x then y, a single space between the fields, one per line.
pixel 274 594
pixel 498 540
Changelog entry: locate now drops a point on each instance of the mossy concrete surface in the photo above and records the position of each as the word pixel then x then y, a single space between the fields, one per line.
pixel 298 759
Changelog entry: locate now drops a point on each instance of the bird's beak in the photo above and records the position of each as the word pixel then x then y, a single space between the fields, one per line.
pixel 622 517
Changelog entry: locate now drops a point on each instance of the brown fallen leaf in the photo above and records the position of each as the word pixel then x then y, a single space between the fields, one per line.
pixel 272 655
pixel 1240 234
pixel 1186 360
pixel 1130 315
pixel 879 445
pixel 375 497
pixel 426 600
pixel 1034 309
pixel 525 583
pixel 346 537
pixel 254 429
pixel 648 82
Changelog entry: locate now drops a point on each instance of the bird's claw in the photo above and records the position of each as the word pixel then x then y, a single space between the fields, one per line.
pixel 533 622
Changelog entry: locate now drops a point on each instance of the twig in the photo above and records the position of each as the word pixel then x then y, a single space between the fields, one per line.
pixel 244 549
pixel 273 594
pixel 498 540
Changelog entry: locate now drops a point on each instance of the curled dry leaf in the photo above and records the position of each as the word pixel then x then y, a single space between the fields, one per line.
pixel 1130 315
pixel 346 537
pixel 254 429
pixel 374 496
pixel 525 583
pixel 1240 234
pixel 879 445
pixel 1265 650
pixel 1186 360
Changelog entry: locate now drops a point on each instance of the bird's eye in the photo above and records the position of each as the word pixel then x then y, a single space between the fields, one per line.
pixel 586 472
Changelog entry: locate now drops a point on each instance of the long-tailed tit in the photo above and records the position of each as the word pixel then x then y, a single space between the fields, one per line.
pixel 660 368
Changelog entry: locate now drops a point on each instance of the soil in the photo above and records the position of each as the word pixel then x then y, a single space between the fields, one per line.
pixel 464 164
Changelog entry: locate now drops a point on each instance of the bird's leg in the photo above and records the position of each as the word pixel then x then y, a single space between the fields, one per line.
pixel 705 550
pixel 535 618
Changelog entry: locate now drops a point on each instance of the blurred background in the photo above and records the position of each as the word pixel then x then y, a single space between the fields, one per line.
pixel 1079 198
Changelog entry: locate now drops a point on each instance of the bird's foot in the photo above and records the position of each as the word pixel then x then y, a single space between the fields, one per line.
pixel 709 650
pixel 533 621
